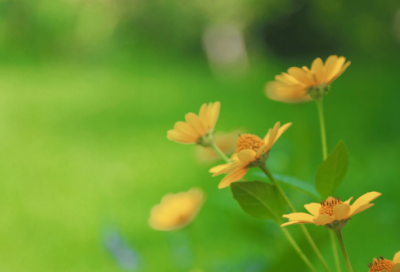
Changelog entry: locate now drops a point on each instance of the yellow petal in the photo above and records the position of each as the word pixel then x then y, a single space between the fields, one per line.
pixel 281 130
pixel 232 177
pixel 176 136
pixel 317 69
pixel 203 114
pixel 247 155
pixel 300 75
pixel 235 166
pixel 341 211
pixel 330 65
pixel 186 129
pixel 313 208
pixel 364 199
pixel 267 136
pixel 196 123
pixel 303 217
pixel 218 168
pixel 348 201
pixel 323 219
pixel 341 71
pixel 214 114
pixel 362 208
pixel 396 258
pixel 336 70
pixel 260 151
pixel 291 223
pixel 278 91
pixel 291 80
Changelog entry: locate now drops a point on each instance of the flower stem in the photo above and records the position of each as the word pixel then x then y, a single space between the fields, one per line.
pixel 219 152
pixel 324 155
pixel 303 228
pixel 298 249
pixel 322 125
pixel 343 248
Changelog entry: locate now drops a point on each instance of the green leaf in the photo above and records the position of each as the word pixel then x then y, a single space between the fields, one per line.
pixel 331 172
pixel 293 182
pixel 259 199
pixel 395 268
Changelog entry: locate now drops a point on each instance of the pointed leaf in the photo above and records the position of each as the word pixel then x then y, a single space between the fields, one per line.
pixel 331 172
pixel 259 199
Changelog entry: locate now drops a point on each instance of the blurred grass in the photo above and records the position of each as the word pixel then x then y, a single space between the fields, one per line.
pixel 84 147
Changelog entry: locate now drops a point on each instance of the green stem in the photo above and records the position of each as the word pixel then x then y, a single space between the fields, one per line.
pixel 343 248
pixel 219 152
pixel 303 228
pixel 324 155
pixel 322 125
pixel 298 249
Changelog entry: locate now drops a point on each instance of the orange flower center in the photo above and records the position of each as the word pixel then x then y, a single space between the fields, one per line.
pixel 380 264
pixel 249 141
pixel 328 205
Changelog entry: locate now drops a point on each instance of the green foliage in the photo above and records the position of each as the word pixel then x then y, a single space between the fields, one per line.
pixel 295 183
pixel 259 199
pixel 331 172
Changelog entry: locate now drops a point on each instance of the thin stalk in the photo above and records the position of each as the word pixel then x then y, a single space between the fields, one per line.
pixel 303 228
pixel 343 248
pixel 322 126
pixel 298 250
pixel 324 155
pixel 219 152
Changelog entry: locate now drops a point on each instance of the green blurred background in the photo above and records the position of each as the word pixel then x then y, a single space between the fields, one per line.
pixel 89 89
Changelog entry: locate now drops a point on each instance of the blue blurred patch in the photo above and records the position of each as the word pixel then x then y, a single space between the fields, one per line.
pixel 117 245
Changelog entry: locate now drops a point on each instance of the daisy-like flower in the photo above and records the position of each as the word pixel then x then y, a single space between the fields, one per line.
pixel 226 142
pixel 251 151
pixel 383 265
pixel 176 210
pixel 332 212
pixel 303 84
pixel 197 128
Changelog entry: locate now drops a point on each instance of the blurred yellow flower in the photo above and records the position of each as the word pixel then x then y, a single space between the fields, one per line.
pixel 295 85
pixel 226 142
pixel 176 210
pixel 251 151
pixel 197 128
pixel 332 210
pixel 383 265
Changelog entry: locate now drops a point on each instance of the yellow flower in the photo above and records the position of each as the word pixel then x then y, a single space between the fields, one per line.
pixel 383 265
pixel 226 142
pixel 295 85
pixel 251 151
pixel 197 127
pixel 331 210
pixel 176 210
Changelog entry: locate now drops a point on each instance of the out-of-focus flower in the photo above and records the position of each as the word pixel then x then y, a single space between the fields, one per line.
pixel 197 128
pixel 251 151
pixel 303 84
pixel 226 142
pixel 176 210
pixel 331 211
pixel 383 265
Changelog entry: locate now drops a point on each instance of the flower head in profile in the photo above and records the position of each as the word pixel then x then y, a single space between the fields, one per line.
pixel 176 210
pixel 226 142
pixel 197 128
pixel 251 151
pixel 332 212
pixel 384 265
pixel 303 84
